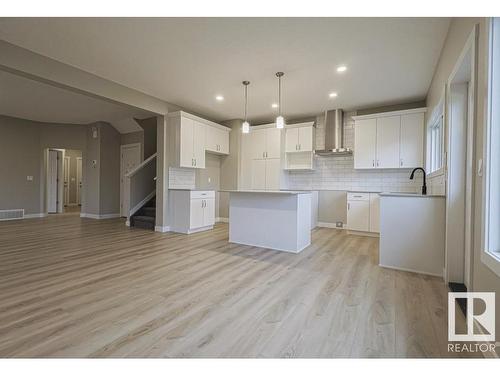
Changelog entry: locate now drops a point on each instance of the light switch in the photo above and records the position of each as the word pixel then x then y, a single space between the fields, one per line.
pixel 29 178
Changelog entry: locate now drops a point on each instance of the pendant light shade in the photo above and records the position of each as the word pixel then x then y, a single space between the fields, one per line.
pixel 280 121
pixel 245 127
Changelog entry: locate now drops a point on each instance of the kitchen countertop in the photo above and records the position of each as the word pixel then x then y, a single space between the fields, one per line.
pixel 294 192
pixel 196 189
pixel 410 195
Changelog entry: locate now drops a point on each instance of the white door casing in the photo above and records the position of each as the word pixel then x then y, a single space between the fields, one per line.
pixel 79 181
pixel 52 188
pixel 66 167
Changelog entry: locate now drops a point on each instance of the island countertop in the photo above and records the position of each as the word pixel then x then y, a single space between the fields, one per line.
pixel 294 192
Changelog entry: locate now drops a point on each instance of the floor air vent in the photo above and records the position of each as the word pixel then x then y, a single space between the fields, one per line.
pixel 11 214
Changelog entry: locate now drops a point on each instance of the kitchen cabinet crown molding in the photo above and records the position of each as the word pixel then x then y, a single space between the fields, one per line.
pixel 199 119
pixel 388 114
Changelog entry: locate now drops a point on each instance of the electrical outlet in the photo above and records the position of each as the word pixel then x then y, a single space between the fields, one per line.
pixel 339 224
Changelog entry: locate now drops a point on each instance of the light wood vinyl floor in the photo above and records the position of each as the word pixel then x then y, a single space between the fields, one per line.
pixel 73 287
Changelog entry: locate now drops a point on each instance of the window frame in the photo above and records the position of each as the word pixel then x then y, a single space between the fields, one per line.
pixel 490 257
pixel 433 145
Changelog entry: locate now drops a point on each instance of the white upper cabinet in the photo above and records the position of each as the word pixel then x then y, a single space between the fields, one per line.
pixel 217 140
pixel 365 143
pixel 192 136
pixel 186 143
pixel 412 138
pixel 292 140
pixel 299 139
pixel 389 140
pixel 256 143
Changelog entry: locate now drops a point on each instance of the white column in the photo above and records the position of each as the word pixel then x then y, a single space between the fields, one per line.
pixel 162 163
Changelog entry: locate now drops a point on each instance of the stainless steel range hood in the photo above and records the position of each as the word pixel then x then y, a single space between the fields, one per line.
pixel 334 135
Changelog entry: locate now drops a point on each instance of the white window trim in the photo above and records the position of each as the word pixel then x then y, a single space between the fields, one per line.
pixel 490 258
pixel 437 112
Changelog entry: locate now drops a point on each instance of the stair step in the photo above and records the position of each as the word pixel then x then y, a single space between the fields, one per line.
pixel 144 222
pixel 148 211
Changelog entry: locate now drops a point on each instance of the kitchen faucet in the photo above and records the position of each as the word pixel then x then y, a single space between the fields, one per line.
pixel 424 186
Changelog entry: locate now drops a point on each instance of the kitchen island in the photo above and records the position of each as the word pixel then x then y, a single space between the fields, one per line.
pixel 273 219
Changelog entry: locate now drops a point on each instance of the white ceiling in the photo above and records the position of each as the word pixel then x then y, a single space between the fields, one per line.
pixel 189 61
pixel 24 98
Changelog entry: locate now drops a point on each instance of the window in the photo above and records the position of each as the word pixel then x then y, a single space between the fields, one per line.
pixel 435 140
pixel 492 155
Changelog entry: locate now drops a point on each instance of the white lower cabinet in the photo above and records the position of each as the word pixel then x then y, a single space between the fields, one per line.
pixel 191 210
pixel 363 212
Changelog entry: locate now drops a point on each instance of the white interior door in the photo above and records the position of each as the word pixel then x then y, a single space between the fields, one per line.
pixel 52 182
pixel 365 136
pixel 79 181
pixel 66 166
pixel 388 136
pixel 131 157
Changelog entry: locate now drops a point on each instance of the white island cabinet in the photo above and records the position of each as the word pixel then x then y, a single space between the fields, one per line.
pixel 278 220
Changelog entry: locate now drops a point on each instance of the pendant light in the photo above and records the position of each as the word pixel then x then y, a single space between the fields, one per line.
pixel 245 127
pixel 280 121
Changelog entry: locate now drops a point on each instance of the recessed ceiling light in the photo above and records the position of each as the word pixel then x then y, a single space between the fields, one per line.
pixel 341 68
pixel 219 98
pixel 274 105
pixel 333 95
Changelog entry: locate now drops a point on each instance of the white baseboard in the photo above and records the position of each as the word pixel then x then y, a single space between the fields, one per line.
pixel 324 224
pixel 362 233
pixel 99 217
pixel 161 229
pixel 139 205
pixel 410 270
pixel 222 220
pixel 35 216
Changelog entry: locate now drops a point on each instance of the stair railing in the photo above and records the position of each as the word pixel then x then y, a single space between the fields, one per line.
pixel 140 186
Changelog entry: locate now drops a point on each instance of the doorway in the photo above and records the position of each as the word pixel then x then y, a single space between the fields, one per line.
pixel 460 112
pixel 63 181
pixel 130 157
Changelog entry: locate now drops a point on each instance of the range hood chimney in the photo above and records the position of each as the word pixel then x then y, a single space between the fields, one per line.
pixel 334 135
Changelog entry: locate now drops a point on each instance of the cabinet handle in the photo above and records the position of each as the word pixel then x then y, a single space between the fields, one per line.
pixel 373 163
pixel 266 154
pixel 401 162
pixel 377 163
pixel 263 154
pixel 300 147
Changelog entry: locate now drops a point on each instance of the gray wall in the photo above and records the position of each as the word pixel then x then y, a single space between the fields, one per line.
pixel 229 167
pixel 22 145
pixel 149 137
pixel 22 153
pixel 483 278
pixel 109 185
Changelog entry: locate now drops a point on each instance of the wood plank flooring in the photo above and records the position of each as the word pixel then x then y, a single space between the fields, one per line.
pixel 73 287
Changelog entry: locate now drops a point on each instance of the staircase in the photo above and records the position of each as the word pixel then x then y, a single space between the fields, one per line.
pixel 145 217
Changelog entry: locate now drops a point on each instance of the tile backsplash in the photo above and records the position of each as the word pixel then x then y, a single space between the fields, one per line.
pixel 181 178
pixel 338 173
